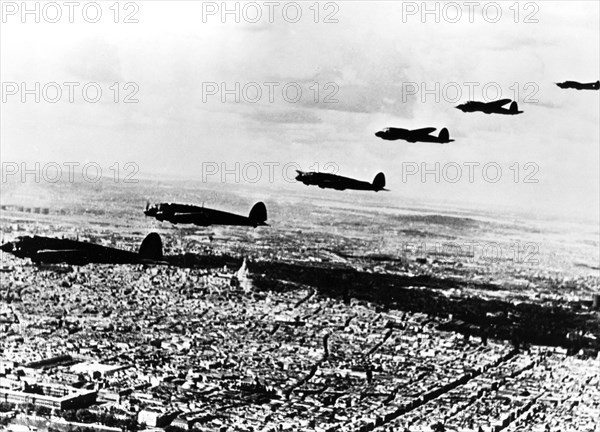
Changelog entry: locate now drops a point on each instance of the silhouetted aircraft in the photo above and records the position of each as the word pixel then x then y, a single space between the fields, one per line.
pixel 579 86
pixel 416 135
pixel 333 181
pixel 496 107
pixel 53 251
pixel 202 216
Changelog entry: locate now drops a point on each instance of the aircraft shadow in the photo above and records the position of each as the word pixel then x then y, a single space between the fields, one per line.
pixel 523 323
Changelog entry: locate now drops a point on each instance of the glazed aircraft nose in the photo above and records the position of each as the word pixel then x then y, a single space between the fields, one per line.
pixel 151 211
pixel 8 247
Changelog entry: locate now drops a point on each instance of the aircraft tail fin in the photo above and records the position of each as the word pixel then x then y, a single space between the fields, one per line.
pixel 151 248
pixel 514 107
pixel 258 214
pixel 379 181
pixel 444 135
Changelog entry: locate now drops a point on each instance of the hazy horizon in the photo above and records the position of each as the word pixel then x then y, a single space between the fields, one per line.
pixel 372 58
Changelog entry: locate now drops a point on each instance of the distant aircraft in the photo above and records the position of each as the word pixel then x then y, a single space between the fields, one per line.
pixel 53 251
pixel 416 135
pixel 496 107
pixel 579 86
pixel 333 181
pixel 202 216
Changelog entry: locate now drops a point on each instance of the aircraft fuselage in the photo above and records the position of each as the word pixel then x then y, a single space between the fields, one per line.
pixel 579 86
pixel 393 134
pixel 487 108
pixel 200 216
pixel 53 251
pixel 333 181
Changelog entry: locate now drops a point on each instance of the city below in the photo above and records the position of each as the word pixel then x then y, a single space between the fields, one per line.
pixel 362 321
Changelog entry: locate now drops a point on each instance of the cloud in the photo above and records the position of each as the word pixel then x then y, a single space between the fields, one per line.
pixel 361 62
pixel 286 116
pixel 95 60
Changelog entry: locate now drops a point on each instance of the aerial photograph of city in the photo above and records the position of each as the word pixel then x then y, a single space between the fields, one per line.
pixel 300 216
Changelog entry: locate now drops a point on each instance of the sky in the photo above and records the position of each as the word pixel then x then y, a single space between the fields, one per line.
pixel 371 69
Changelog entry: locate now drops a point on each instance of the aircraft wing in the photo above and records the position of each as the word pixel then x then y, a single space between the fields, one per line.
pixel 201 218
pixel 329 182
pixel 208 217
pixel 190 214
pixel 59 251
pixel 499 103
pixel 83 256
pixel 153 262
pixel 423 131
pixel 71 256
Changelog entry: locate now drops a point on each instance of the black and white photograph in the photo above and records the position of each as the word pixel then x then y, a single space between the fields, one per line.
pixel 289 216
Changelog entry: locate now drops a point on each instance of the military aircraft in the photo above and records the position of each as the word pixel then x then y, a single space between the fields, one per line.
pixel 202 216
pixel 416 135
pixel 53 251
pixel 333 181
pixel 496 107
pixel 579 86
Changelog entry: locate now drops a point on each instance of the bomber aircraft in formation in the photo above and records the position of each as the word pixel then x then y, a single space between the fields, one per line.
pixel 54 251
pixel 202 216
pixel 333 181
pixel 579 86
pixel 415 135
pixel 495 107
